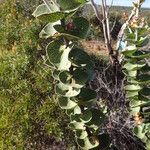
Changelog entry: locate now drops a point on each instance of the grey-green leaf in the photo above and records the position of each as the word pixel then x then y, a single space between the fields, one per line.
pixel 57 54
pixel 66 103
pixel 81 134
pixel 87 143
pixel 87 95
pixel 70 4
pixel 43 9
pixel 47 31
pixel 86 116
pixel 133 87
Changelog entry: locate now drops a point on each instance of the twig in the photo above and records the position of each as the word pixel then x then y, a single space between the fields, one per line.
pixel 96 11
pixel 111 4
pixel 124 26
pixel 106 30
pixel 137 16
pixel 114 23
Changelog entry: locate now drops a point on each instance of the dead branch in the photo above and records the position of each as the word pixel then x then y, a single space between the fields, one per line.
pixel 106 28
pixel 98 15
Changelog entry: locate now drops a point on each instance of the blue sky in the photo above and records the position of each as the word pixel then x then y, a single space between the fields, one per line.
pixel 125 2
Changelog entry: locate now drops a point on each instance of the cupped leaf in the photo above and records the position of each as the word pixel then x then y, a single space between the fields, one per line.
pixel 148 144
pixel 66 90
pixel 133 87
pixel 75 118
pixel 129 51
pixel 143 79
pixel 70 4
pixel 134 66
pixel 87 143
pixel 65 77
pixel 135 110
pixel 98 118
pixel 57 54
pixel 66 103
pixel 137 103
pixel 77 110
pixel 130 73
pixel 139 131
pixel 143 31
pixel 145 91
pixel 105 141
pixel 143 41
pixel 60 87
pixel 131 94
pixel 55 74
pixel 77 125
pixel 81 134
pixel 74 111
pixel 145 69
pixel 80 76
pixel 80 58
pixel 77 80
pixel 72 92
pixel 132 80
pixel 141 54
pixel 50 13
pixel 144 99
pixel 52 17
pixel 130 36
pixel 87 95
pixel 48 31
pixel 59 28
pixel 81 29
pixel 40 10
pixel 44 9
pixel 86 116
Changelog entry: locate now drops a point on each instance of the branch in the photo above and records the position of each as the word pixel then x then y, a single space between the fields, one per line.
pixel 137 16
pixel 106 29
pixel 124 26
pixel 110 5
pixel 135 12
pixel 107 21
pixel 114 23
pixel 96 11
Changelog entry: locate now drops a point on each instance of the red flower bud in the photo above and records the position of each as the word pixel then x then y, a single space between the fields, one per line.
pixel 70 26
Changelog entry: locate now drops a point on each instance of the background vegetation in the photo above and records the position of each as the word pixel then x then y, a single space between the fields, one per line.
pixel 29 115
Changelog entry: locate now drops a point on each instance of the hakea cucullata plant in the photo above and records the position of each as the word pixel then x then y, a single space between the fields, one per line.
pixel 137 71
pixel 72 68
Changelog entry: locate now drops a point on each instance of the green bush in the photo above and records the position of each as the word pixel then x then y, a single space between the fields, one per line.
pixel 26 100
pixel 28 109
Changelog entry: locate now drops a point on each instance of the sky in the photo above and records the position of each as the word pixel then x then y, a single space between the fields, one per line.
pixel 125 2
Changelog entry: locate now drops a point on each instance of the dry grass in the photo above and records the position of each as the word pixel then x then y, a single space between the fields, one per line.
pixel 96 48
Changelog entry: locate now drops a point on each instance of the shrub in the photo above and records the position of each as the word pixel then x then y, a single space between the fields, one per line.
pixel 29 115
